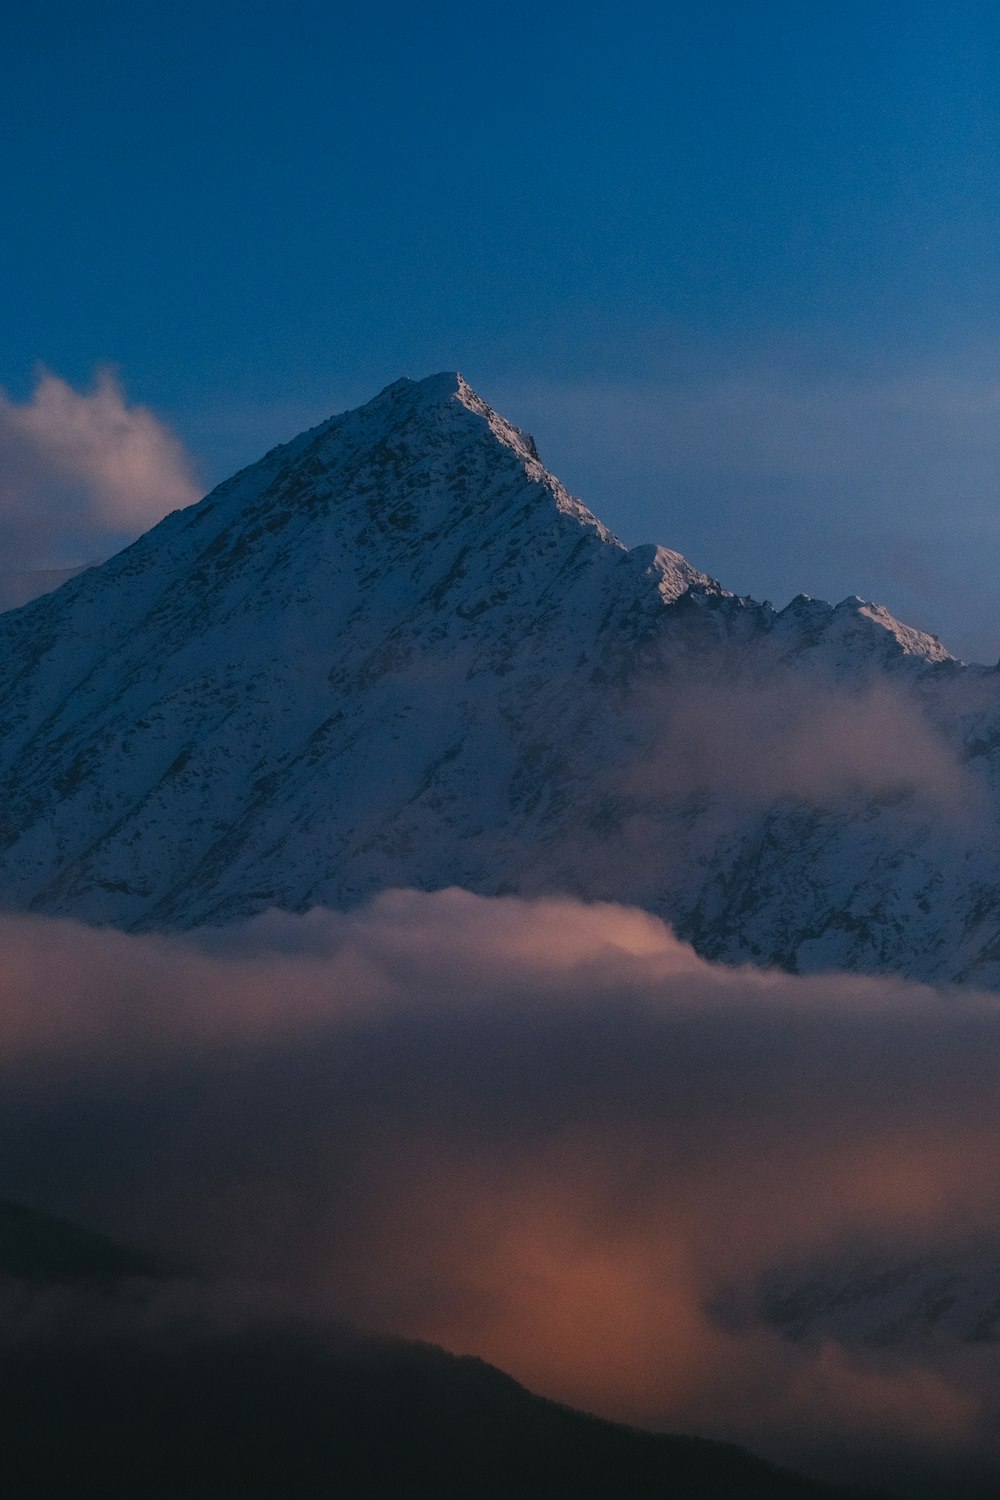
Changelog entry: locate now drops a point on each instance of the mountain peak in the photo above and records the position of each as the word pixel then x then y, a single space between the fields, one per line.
pixel 432 448
pixel 910 641
pixel 436 397
pixel 430 390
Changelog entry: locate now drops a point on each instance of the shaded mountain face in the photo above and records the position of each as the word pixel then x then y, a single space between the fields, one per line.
pixel 396 652
pixel 886 1302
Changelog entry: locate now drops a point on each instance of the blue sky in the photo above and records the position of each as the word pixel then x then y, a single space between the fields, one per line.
pixel 737 266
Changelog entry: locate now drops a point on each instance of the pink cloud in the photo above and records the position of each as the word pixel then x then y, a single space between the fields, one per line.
pixel 83 471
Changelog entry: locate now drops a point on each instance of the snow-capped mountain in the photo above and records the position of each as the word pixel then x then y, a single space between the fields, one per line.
pixel 396 652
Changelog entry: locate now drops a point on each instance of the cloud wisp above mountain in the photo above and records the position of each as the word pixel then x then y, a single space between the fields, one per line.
pixel 540 1131
pixel 82 472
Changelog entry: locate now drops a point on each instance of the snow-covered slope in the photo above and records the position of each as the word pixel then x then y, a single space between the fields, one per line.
pixel 396 651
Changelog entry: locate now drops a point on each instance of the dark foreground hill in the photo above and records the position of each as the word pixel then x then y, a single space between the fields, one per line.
pixel 122 1385
pixel 272 1415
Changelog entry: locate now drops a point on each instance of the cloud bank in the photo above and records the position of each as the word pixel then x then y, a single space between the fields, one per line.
pixel 539 1131
pixel 81 472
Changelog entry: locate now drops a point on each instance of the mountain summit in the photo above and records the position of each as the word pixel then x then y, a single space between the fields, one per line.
pixel 395 651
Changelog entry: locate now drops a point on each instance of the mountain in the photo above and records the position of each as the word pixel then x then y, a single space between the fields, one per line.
pixel 266 1413
pixel 119 1383
pixel 396 652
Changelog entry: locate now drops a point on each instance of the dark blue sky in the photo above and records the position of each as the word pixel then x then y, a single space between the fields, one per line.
pixel 737 266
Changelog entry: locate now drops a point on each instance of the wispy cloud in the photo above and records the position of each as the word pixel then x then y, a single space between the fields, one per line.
pixel 803 737
pixel 81 472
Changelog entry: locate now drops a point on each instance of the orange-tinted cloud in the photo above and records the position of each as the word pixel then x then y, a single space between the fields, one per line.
pixel 542 1132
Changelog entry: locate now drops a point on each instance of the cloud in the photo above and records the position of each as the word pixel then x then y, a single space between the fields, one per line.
pixel 539 1131
pixel 81 472
pixel 799 737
